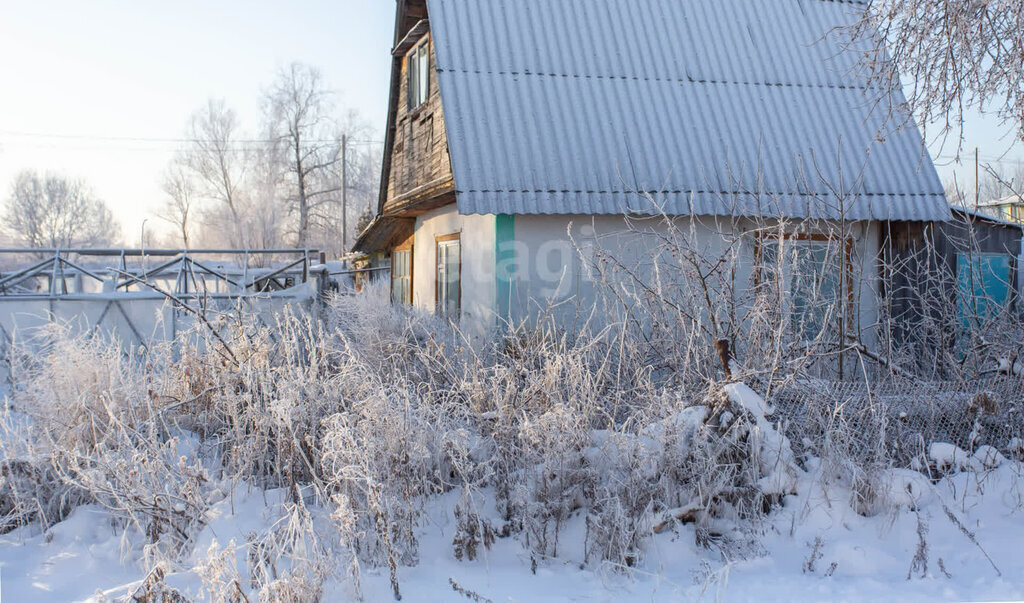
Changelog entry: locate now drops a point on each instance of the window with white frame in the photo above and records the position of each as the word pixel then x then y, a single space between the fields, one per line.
pixel 812 270
pixel 449 276
pixel 401 276
pixel 418 74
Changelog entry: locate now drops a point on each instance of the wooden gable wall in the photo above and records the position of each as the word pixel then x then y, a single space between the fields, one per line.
pixel 417 173
pixel 420 174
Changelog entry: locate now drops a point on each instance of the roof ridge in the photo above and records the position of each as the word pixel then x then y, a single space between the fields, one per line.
pixel 688 80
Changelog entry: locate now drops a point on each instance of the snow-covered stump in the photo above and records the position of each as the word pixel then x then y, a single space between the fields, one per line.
pixel 713 464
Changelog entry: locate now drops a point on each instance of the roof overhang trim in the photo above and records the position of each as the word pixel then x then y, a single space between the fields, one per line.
pixel 384 233
pixel 410 39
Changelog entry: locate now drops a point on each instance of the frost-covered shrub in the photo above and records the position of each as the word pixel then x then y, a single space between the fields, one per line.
pixel 380 457
pixel 363 414
pixel 31 491
pixel 219 573
pixel 556 479
pixel 626 494
pixel 75 390
pixel 96 431
pixel 472 534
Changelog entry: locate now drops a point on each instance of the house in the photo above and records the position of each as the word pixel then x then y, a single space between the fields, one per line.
pixel 518 128
pixel 1010 208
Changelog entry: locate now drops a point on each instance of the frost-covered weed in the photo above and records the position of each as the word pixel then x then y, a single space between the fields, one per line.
pixel 381 458
pixel 291 561
pixel 97 431
pixel 219 573
pixel 366 412
pixel 555 476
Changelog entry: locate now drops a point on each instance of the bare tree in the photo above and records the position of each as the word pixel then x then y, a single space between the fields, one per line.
pixel 297 109
pixel 955 195
pixel 365 219
pixel 282 183
pixel 179 206
pixel 362 175
pixel 265 212
pixel 54 211
pixel 956 55
pixel 1000 181
pixel 218 163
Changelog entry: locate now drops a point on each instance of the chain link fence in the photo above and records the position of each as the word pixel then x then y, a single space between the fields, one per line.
pixel 900 421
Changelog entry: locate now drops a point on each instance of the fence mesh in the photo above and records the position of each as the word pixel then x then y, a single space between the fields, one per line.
pixel 901 420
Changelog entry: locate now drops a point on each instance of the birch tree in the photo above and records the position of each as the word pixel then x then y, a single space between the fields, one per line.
pixel 218 164
pixel 297 109
pixel 180 203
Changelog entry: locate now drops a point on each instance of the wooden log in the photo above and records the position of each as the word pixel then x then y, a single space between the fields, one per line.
pixel 725 355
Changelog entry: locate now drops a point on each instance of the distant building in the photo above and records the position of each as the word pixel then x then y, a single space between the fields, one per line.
pixel 1010 208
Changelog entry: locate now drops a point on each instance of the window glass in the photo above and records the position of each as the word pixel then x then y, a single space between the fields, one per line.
pixel 811 272
pixel 401 277
pixel 449 275
pixel 412 69
pixel 424 79
pixel 418 70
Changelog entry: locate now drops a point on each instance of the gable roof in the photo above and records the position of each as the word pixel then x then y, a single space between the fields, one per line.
pixel 571 106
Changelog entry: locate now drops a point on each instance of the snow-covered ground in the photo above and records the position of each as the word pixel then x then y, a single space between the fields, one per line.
pixel 458 480
pixel 813 548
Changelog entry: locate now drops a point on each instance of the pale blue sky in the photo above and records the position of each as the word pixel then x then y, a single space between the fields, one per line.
pixel 88 70
pixel 138 70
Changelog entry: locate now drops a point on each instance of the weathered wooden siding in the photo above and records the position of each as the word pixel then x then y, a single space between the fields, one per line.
pixel 920 273
pixel 421 169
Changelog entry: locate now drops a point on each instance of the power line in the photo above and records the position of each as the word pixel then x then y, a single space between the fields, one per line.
pixel 112 148
pixel 969 158
pixel 172 140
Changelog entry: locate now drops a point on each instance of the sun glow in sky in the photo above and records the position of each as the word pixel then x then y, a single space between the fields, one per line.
pixel 99 90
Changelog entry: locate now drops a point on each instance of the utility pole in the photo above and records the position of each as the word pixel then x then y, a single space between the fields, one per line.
pixel 344 194
pixel 977 182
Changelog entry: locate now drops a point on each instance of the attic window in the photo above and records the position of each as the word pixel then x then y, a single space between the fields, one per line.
pixel 418 72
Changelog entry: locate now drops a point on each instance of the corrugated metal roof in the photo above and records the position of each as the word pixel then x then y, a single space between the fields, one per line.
pixel 721 106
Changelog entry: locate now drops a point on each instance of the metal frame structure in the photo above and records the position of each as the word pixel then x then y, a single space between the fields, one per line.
pixel 189 273
pixel 108 288
pixel 120 289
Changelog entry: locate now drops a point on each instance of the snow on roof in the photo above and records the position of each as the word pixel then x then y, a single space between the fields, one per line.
pixel 974 213
pixel 570 106
pixel 1007 200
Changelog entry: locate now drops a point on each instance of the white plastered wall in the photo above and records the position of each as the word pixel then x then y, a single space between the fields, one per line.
pixel 548 265
pixel 548 269
pixel 477 234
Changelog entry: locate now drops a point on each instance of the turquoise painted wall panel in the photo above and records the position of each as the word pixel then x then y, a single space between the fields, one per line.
pixel 983 284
